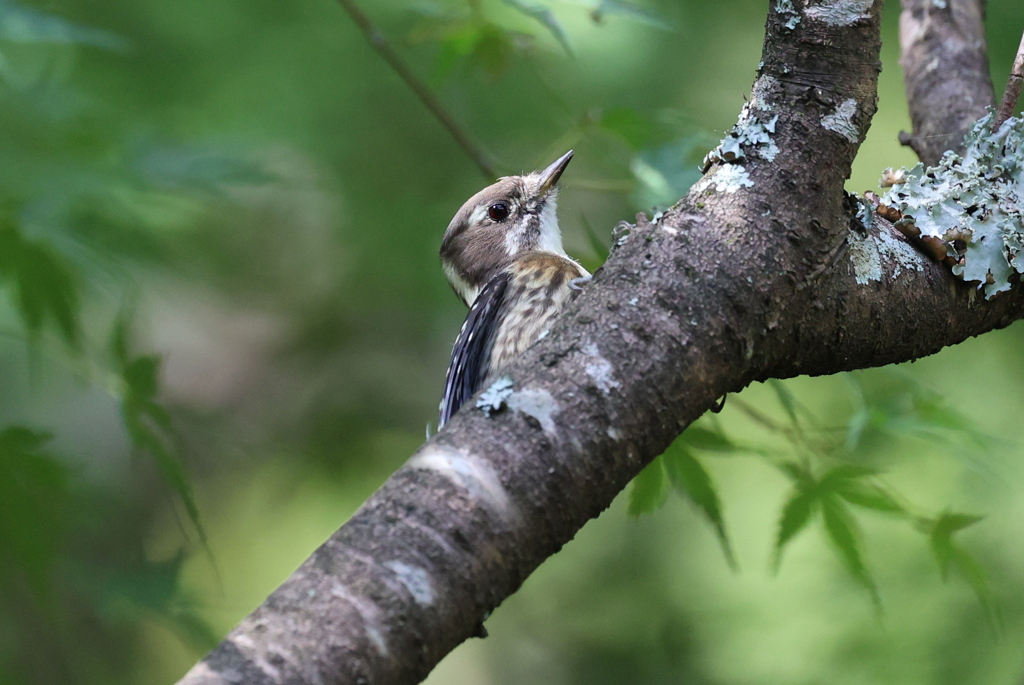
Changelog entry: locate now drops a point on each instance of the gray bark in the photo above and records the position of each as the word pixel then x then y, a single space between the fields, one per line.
pixel 945 71
pixel 736 283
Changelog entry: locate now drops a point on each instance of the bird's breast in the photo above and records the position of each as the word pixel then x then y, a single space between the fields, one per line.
pixel 537 291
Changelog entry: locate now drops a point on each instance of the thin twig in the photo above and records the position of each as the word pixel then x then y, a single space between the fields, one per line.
pixel 1013 86
pixel 379 43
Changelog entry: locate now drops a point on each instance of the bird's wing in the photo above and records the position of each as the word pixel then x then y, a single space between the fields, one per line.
pixel 471 356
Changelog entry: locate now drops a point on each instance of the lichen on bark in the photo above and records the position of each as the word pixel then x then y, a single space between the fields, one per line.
pixel 973 203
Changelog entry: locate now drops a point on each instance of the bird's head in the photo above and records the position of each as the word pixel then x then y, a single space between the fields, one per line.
pixel 501 222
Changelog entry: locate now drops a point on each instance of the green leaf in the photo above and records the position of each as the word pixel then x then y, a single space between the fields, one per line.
pixel 44 286
pixel 156 587
pixel 932 410
pixel 842 529
pixel 192 626
pixel 649 489
pixel 545 17
pixel 847 472
pixel 894 403
pixel 141 378
pixel 18 440
pixel 941 537
pixel 26 25
pixel 119 334
pixel 976 578
pixel 689 477
pixel 949 554
pixel 34 494
pixel 796 514
pixel 849 482
pixel 457 44
pixel 629 125
pixel 147 438
pixel 151 429
pixel 798 473
pixel 702 438
pixel 870 496
pixel 493 49
pixel 630 11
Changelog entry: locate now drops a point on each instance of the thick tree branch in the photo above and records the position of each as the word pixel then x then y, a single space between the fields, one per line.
pixel 762 271
pixel 945 71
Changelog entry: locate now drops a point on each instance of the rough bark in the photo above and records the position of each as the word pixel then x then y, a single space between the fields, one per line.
pixel 735 283
pixel 945 71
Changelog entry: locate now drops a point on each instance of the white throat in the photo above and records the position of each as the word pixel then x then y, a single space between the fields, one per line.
pixel 550 235
pixel 550 238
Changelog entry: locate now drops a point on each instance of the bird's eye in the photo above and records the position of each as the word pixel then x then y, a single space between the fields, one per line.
pixel 498 211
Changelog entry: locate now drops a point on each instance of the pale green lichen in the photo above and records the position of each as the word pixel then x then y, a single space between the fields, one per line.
pixel 727 178
pixel 866 214
pixel 759 93
pixel 784 8
pixel 900 253
pixel 537 403
pixel 599 369
pixel 974 204
pixel 748 135
pixel 840 12
pixel 869 253
pixel 841 121
pixel 867 265
pixel 493 398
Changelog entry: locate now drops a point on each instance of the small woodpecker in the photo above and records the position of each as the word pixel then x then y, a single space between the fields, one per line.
pixel 503 256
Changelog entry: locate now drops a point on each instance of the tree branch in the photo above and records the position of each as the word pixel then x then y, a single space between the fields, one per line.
pixel 762 270
pixel 945 71
pixel 379 43
pixel 1013 85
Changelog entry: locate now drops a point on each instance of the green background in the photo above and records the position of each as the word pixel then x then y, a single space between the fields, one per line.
pixel 247 191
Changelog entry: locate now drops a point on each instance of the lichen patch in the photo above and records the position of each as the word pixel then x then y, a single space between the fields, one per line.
pixel 841 120
pixel 867 265
pixel 840 12
pixel 599 369
pixel 538 403
pixel 973 205
pixel 903 256
pixel 749 136
pixel 493 398
pixel 759 93
pixel 785 9
pixel 727 178
pixel 869 253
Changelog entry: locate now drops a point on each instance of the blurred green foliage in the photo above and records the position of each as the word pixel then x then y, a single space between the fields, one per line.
pixel 222 325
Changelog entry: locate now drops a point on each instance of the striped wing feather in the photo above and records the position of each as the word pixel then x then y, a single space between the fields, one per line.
pixel 471 356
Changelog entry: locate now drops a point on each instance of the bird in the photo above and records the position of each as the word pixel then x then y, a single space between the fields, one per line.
pixel 502 254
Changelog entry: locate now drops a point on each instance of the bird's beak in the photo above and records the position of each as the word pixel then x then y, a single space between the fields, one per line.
pixel 549 177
